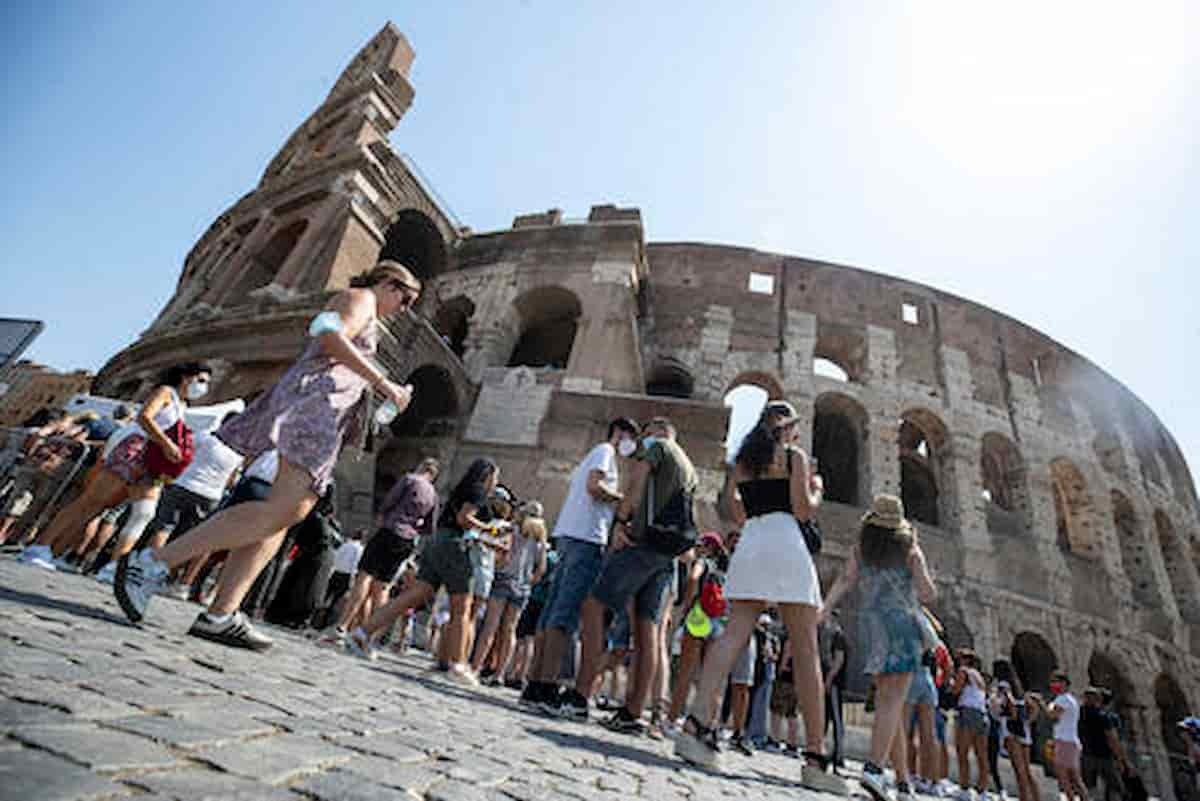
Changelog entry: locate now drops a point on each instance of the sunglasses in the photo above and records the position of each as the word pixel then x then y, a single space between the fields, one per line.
pixel 410 292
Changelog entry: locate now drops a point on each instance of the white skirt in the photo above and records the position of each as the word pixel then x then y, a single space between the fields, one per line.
pixel 772 563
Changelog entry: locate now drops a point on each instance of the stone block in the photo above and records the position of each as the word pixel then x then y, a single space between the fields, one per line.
pixel 97 748
pixel 28 775
pixel 274 760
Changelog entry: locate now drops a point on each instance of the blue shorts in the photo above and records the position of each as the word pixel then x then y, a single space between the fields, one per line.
pixel 921 690
pixel 637 573
pixel 619 633
pixel 579 564
pixel 939 723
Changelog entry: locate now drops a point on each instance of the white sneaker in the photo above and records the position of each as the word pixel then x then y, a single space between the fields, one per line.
pixel 107 574
pixel 361 645
pixel 461 674
pixel 904 792
pixel 874 784
pixel 139 578
pixel 39 555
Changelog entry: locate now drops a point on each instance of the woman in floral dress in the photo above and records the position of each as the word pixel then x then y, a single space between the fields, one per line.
pixel 317 405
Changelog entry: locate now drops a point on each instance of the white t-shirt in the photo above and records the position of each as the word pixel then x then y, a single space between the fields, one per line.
pixel 582 517
pixel 1066 728
pixel 265 467
pixel 211 467
pixel 346 558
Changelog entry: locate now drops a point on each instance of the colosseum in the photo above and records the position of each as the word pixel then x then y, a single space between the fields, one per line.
pixel 1057 511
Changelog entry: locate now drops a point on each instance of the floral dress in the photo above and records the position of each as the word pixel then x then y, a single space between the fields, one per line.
pixel 317 404
pixel 889 628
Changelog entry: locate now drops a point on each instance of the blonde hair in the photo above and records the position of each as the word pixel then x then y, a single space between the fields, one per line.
pixel 386 270
pixel 534 528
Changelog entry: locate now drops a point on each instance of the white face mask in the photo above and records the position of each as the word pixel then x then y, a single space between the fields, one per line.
pixel 197 390
pixel 627 447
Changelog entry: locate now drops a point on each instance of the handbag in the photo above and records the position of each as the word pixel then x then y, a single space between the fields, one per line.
pixel 156 460
pixel 810 528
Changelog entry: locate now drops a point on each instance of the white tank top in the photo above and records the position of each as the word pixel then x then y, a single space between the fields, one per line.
pixel 169 415
pixel 972 697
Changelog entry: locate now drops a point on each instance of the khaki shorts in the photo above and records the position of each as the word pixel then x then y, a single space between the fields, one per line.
pixel 1066 755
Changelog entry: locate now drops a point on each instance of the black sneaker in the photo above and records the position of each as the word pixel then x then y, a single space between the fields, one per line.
pixel 623 722
pixel 550 700
pixel 514 684
pixel 531 696
pixel 573 706
pixel 236 632
pixel 741 743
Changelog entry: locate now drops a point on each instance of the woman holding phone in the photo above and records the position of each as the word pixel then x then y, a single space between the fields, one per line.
pixel 318 403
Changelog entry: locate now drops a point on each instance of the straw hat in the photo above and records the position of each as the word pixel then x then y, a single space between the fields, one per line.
pixel 887 511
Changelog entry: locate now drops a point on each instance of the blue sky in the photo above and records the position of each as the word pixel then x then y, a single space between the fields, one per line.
pixel 1037 158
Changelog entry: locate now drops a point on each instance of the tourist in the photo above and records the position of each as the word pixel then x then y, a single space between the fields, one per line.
pixel 889 567
pixel 510 591
pixel 770 492
pixel 971 724
pixel 639 569
pixel 785 705
pixel 1103 757
pixel 320 401
pixel 444 562
pixel 920 710
pixel 835 652
pixel 706 572
pixel 1064 712
pixel 767 647
pixel 581 535
pixel 125 472
pixel 407 516
pixel 346 561
pixel 527 626
pixel 483 548
pixel 1011 707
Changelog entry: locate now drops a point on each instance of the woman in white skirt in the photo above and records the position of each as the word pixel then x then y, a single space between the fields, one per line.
pixel 770 488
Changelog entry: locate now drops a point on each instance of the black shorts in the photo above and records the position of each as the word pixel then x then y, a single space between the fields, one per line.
pixel 528 622
pixel 180 510
pixel 384 554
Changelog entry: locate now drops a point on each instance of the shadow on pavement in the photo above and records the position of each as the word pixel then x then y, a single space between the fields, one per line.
pixel 45 602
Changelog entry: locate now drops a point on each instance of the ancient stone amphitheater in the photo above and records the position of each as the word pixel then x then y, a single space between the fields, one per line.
pixel 1058 512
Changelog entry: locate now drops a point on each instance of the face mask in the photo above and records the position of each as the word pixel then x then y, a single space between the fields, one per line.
pixel 197 390
pixel 627 448
pixel 648 442
pixel 1058 689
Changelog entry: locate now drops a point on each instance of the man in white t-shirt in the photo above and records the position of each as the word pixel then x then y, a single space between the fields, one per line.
pixel 1064 711
pixel 581 534
pixel 345 565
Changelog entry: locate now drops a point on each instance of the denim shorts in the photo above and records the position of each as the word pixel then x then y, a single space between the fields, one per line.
pixel 973 721
pixel 620 632
pixel 483 569
pixel 922 691
pixel 639 573
pixel 579 564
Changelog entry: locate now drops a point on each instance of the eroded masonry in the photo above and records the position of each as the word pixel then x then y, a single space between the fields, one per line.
pixel 1056 509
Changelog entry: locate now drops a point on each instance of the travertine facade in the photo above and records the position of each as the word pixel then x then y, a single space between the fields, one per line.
pixel 29 387
pixel 1057 511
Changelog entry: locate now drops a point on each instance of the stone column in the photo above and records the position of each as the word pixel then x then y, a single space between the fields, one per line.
pixel 883 410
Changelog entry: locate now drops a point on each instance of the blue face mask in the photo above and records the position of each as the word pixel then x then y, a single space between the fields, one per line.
pixel 648 442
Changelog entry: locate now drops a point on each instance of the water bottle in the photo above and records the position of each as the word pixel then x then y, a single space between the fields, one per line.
pixel 386 413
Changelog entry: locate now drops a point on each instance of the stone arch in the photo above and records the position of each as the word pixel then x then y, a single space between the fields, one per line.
pixel 1180 570
pixel 842 347
pixel 415 241
pixel 1005 485
pixel 670 378
pixel 262 267
pixel 1074 511
pixel 435 403
pixel 1107 444
pixel 840 425
pixel 956 633
pixel 1034 661
pixel 1105 671
pixel 548 319
pixel 1173 706
pixel 1135 557
pixel 453 322
pixel 926 469
pixel 759 379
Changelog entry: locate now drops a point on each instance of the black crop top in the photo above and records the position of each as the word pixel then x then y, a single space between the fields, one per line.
pixel 761 496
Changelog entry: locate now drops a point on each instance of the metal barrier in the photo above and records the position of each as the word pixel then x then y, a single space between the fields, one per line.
pixel 47 468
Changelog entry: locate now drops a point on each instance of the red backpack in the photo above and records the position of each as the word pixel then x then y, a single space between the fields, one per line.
pixel 712 598
pixel 157 463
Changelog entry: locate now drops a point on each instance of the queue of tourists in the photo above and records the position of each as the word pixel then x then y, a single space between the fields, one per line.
pixel 724 642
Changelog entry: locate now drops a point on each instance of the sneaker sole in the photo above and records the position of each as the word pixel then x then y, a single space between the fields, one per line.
pixel 231 642
pixel 696 753
pixel 872 791
pixel 123 601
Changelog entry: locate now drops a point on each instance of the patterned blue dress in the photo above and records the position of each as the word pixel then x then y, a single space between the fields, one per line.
pixel 889 631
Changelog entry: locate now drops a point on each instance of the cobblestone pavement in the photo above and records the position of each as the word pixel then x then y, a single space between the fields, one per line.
pixel 93 708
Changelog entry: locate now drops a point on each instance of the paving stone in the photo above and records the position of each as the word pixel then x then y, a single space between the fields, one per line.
pixel 276 759
pixel 16 715
pixel 222 719
pixel 208 785
pixel 455 791
pixel 344 786
pixel 172 731
pixel 98 749
pixel 393 748
pixel 415 778
pixel 28 775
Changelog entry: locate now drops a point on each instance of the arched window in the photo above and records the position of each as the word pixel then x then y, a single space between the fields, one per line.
pixel 828 368
pixel 1034 661
pixel 926 469
pixel 1002 473
pixel 266 264
pixel 840 352
pixel 1103 671
pixel 415 241
pixel 453 322
pixel 1135 559
pixel 839 431
pixel 434 404
pixel 670 379
pixel 1180 570
pixel 759 379
pixel 549 319
pixel 1073 509
pixel 1173 707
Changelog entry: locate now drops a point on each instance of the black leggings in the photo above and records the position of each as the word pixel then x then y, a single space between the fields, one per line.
pixel 994 734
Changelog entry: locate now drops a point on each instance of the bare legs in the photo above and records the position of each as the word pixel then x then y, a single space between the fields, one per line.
pixel 965 742
pixel 891 689
pixel 801 622
pixel 491 625
pixel 689 658
pixel 107 489
pixel 359 593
